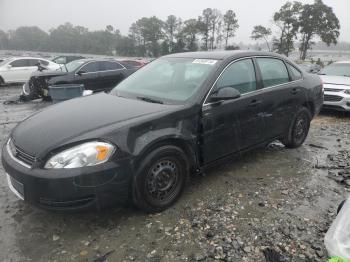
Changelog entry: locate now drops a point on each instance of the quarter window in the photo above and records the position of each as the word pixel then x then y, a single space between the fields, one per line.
pixel 273 71
pixel 239 75
pixel 295 73
pixel 19 63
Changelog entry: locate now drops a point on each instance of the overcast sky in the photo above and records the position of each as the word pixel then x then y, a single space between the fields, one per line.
pixel 96 14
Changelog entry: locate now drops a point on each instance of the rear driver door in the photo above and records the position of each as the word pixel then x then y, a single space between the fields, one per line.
pixel 281 93
pixel 111 73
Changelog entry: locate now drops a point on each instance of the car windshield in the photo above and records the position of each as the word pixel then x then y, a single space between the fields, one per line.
pixel 336 70
pixel 166 80
pixel 72 66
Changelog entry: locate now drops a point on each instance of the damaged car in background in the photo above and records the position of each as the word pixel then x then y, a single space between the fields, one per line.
pixel 94 74
pixel 175 116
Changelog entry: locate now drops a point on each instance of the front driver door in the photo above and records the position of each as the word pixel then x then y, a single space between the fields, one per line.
pixel 232 125
pixel 88 76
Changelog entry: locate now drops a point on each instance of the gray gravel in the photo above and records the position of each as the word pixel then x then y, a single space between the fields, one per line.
pixel 271 198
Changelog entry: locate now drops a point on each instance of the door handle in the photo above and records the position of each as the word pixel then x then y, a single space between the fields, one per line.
pixel 295 91
pixel 254 103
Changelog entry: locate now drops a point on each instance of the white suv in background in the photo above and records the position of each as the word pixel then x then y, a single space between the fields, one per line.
pixel 19 69
pixel 336 80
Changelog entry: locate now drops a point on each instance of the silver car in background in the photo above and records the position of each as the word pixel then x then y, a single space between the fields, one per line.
pixel 336 80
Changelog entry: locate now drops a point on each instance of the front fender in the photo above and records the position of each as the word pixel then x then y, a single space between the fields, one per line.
pixel 148 143
pixel 181 132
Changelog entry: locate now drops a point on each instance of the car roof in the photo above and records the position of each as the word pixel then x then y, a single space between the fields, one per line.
pixel 68 56
pixel 24 57
pixel 222 55
pixel 96 60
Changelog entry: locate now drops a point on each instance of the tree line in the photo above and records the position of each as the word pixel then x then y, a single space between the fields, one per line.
pixel 148 36
pixel 152 37
pixel 303 23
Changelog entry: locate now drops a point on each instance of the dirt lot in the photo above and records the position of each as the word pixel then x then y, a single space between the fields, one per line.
pixel 273 197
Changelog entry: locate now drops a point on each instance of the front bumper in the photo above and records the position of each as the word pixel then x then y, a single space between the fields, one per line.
pixel 70 189
pixel 337 100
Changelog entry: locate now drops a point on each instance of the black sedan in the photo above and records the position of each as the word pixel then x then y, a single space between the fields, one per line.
pixel 95 74
pixel 175 116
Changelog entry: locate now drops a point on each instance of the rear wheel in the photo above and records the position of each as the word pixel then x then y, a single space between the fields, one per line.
pixel 161 179
pixel 299 129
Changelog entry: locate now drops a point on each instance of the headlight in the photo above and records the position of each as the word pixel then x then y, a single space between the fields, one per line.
pixel 87 154
pixel 347 91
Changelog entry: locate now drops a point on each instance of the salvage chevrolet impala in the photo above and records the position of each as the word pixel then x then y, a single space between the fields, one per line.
pixel 175 116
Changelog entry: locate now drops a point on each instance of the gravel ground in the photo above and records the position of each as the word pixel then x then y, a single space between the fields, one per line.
pixel 273 198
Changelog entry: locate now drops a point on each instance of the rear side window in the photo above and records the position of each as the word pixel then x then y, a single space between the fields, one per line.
pixel 239 75
pixel 107 65
pixel 295 73
pixel 273 71
pixel 20 63
pixel 33 62
pixel 90 68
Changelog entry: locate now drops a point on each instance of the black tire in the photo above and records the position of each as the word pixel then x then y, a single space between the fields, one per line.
pixel 160 179
pixel 299 129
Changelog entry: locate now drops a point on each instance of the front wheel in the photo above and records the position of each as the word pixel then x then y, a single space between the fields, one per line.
pixel 299 129
pixel 161 179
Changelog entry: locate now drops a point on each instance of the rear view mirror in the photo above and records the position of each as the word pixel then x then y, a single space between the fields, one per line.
pixel 225 93
pixel 9 66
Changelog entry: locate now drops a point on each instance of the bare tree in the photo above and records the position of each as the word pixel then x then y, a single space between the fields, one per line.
pixel 262 32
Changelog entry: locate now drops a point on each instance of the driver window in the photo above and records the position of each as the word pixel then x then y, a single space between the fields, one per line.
pixel 239 75
pixel 90 68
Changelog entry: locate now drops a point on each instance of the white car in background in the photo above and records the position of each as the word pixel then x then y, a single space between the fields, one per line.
pixel 19 69
pixel 336 80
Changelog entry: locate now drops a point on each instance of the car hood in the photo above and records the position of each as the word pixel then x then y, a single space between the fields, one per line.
pixel 68 121
pixel 48 73
pixel 336 80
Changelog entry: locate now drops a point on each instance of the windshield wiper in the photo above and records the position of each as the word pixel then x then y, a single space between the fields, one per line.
pixel 150 100
pixel 347 75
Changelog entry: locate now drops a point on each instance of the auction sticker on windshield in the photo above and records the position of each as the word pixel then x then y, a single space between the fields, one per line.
pixel 204 61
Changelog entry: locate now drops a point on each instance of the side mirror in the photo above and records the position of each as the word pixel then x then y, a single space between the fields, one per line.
pixel 81 72
pixel 9 66
pixel 225 93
